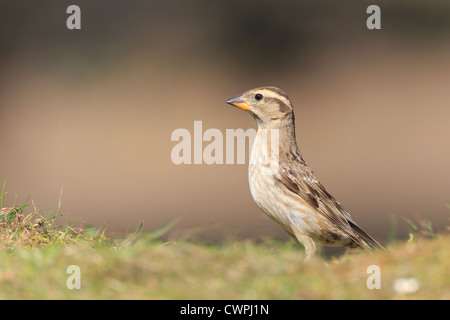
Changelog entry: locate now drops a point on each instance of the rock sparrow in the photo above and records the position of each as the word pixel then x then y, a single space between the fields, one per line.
pixel 282 184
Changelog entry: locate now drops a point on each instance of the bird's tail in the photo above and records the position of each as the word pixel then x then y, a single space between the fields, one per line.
pixel 368 242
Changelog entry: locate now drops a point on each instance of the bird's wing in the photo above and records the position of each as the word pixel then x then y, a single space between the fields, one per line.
pixel 302 181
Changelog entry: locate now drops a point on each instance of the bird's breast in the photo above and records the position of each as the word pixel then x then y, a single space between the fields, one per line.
pixel 263 167
pixel 269 193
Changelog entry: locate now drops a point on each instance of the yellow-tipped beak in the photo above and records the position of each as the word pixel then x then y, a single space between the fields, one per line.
pixel 240 103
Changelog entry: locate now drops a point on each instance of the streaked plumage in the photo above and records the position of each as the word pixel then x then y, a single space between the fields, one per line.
pixel 282 184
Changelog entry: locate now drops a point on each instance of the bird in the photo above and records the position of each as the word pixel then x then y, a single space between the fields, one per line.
pixel 284 187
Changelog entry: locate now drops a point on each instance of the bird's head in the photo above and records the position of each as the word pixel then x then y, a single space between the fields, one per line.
pixel 270 106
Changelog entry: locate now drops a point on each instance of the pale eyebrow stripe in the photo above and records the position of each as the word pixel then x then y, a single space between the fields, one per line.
pixel 278 97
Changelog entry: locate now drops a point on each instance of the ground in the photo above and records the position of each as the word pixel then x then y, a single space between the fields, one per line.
pixel 149 269
pixel 42 260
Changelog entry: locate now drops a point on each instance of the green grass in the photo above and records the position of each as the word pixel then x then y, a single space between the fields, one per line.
pixel 35 253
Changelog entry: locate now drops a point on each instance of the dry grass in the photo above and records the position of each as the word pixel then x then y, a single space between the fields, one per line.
pixel 24 226
pixel 32 229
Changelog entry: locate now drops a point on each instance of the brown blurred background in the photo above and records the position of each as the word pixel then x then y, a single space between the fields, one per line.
pixel 93 110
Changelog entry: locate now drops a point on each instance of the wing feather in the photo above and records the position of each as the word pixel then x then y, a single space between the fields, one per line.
pixel 302 181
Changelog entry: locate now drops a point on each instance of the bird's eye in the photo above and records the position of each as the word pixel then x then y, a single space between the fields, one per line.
pixel 258 96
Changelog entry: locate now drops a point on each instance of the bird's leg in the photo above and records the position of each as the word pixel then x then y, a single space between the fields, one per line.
pixel 308 243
